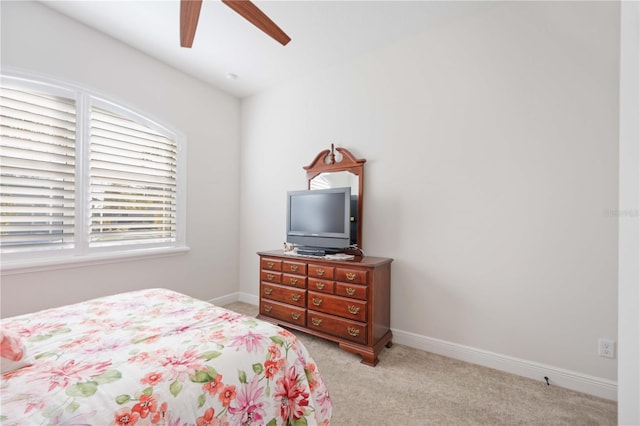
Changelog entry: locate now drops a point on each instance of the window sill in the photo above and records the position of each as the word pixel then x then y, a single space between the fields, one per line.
pixel 48 264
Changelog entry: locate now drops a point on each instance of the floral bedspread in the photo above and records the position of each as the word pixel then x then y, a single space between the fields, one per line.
pixel 156 357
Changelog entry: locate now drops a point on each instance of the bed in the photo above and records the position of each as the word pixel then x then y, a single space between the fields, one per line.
pixel 156 357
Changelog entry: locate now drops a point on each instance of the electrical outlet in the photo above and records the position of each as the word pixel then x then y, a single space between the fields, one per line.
pixel 606 348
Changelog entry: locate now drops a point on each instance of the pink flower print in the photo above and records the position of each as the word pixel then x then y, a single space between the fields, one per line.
pixel 213 386
pixel 324 400
pixel 271 367
pixel 274 350
pixel 151 379
pixel 312 376
pixel 293 397
pixel 249 407
pixel 63 375
pixel 40 329
pixel 229 317
pixel 146 405
pixel 34 403
pixel 178 313
pixel 172 296
pixel 207 418
pixel 141 357
pixel 77 342
pixel 227 395
pixel 216 336
pixel 160 414
pixel 105 345
pixel 287 334
pixel 182 366
pixel 252 342
pixel 125 417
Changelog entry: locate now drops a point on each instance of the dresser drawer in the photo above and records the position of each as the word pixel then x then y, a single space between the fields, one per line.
pixel 271 277
pixel 321 271
pixel 270 264
pixel 294 267
pixel 283 294
pixel 294 280
pixel 345 329
pixel 354 276
pixel 336 305
pixel 351 290
pixel 287 313
pixel 316 284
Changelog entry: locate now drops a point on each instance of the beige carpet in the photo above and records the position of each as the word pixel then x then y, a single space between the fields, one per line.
pixel 413 387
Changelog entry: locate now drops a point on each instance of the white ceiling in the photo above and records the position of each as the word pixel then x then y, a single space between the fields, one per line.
pixel 323 33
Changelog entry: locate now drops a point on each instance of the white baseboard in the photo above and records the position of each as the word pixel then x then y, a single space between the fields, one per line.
pixel 235 297
pixel 248 298
pixel 225 300
pixel 591 385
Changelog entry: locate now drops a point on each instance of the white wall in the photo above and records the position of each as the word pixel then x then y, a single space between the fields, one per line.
pixel 39 40
pixel 491 177
pixel 629 230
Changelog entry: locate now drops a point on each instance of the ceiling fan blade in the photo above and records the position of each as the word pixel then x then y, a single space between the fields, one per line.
pixel 251 13
pixel 189 14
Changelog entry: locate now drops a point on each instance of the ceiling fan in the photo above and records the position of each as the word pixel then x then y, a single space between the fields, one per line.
pixel 190 12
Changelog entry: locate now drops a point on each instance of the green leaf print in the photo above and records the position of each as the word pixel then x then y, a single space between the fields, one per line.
pixel 122 399
pixel 277 340
pixel 201 377
pixel 272 422
pixel 242 377
pixel 175 388
pixel 146 391
pixel 257 368
pixel 82 389
pixel 201 400
pixel 47 354
pixel 108 377
pixel 300 422
pixel 209 355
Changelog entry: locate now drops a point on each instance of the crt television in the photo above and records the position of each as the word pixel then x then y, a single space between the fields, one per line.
pixel 319 218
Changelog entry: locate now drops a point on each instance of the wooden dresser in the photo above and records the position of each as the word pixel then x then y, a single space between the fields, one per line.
pixel 346 301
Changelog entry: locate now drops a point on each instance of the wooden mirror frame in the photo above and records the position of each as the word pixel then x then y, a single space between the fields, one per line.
pixel 325 162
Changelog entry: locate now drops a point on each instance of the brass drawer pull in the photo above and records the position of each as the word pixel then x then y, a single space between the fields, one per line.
pixel 320 271
pixel 316 301
pixel 295 316
pixel 319 286
pixel 353 309
pixel 268 290
pixel 351 276
pixel 270 277
pixel 353 331
pixel 293 281
pixel 316 321
pixel 350 291
pixel 268 308
pixel 295 297
pixel 294 268
pixel 270 265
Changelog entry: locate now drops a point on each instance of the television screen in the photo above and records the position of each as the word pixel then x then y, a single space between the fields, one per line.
pixel 319 218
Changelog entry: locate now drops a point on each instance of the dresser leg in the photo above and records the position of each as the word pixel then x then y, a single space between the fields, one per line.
pixel 369 357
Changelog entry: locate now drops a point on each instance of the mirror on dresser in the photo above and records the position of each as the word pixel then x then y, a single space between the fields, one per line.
pixel 337 167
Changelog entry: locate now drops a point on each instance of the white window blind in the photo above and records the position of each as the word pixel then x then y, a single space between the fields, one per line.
pixel 132 181
pixel 84 179
pixel 37 177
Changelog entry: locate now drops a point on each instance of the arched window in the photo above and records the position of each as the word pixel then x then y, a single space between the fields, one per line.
pixel 82 176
